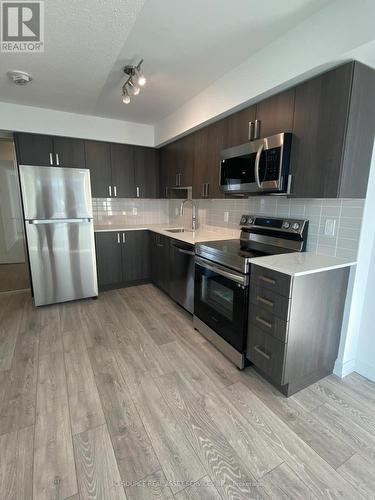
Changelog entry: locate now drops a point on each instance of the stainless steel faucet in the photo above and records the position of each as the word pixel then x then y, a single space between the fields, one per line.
pixel 194 220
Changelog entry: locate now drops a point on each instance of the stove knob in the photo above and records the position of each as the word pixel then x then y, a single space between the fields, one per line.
pixel 295 226
pixel 286 225
pixel 250 220
pixel 243 220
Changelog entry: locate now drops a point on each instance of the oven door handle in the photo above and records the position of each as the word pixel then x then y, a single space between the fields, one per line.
pixel 222 272
pixel 257 165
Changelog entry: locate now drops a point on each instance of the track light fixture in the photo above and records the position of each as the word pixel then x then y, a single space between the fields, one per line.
pixel 136 80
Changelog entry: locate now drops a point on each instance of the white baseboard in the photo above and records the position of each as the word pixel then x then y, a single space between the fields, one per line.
pixel 343 369
pixel 365 369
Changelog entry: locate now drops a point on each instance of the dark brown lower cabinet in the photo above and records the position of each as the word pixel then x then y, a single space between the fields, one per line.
pixel 295 325
pixel 123 258
pixel 108 259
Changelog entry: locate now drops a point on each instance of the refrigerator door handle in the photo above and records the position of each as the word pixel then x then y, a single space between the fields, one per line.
pixel 54 221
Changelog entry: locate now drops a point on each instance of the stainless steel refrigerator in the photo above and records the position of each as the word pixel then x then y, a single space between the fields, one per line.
pixel 60 233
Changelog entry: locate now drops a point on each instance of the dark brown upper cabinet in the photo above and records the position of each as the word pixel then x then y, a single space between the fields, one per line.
pixel 122 168
pixel 208 144
pixel 34 149
pixel 98 160
pixel 49 151
pixel 240 127
pixel 146 163
pixel 69 152
pixel 333 133
pixel 274 115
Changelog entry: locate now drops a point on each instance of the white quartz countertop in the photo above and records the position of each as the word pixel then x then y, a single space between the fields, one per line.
pixel 187 236
pixel 298 264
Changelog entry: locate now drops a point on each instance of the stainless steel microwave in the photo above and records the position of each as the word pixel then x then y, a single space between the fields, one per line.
pixel 257 166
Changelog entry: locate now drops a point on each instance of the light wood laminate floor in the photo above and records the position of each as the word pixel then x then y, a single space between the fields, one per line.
pixel 121 398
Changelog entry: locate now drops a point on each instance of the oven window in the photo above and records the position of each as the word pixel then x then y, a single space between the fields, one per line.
pixel 217 296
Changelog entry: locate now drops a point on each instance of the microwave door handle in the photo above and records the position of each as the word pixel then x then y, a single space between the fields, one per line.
pixel 257 165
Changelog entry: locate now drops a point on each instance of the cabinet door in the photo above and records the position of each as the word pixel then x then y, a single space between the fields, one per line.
pixel 319 130
pixel 275 114
pixel 164 173
pixel 122 163
pixel 34 149
pixel 69 152
pixel 184 161
pixel 237 127
pixel 98 160
pixel 209 142
pixel 135 256
pixel 146 167
pixel 108 258
pixel 201 166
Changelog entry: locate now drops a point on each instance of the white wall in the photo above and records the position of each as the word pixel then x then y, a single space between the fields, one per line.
pixel 358 328
pixel 19 118
pixel 331 35
pixel 365 355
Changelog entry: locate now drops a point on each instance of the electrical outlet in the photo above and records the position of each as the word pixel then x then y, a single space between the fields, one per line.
pixel 226 216
pixel 330 227
pixel 135 210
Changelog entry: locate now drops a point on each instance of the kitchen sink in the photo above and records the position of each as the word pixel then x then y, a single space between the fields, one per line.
pixel 180 230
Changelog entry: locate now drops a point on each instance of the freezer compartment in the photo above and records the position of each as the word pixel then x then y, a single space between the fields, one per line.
pixel 55 193
pixel 62 260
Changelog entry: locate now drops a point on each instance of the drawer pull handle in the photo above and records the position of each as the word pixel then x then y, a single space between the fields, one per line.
pixel 268 280
pixel 260 351
pixel 265 301
pixel 263 322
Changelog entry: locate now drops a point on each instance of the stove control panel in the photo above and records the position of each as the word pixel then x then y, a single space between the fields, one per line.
pixel 273 223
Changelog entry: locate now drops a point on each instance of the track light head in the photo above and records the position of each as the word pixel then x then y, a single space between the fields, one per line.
pixel 134 87
pixel 125 95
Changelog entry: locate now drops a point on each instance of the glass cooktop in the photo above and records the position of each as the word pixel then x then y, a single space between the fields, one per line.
pixel 228 253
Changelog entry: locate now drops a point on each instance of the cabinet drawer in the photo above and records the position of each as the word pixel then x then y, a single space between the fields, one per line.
pixel 272 280
pixel 263 319
pixel 270 301
pixel 267 353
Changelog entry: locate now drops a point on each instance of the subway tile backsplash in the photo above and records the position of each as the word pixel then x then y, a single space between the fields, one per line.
pixel 344 215
pixel 130 211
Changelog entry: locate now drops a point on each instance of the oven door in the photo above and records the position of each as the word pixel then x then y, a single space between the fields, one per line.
pixel 221 301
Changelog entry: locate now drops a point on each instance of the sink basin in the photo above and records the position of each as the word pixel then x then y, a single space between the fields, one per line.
pixel 180 230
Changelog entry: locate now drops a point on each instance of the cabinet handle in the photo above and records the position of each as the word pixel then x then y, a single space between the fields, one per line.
pixel 263 322
pixel 257 129
pixel 180 180
pixel 138 192
pixel 166 191
pixel 267 280
pixel 118 238
pixel 123 238
pixel 115 190
pixel 50 159
pixel 250 132
pixel 265 301
pixel 110 191
pixel 203 190
pixel 207 188
pixel 57 159
pixel 260 351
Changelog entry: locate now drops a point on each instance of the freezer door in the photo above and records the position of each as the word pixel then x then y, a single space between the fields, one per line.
pixel 62 260
pixel 55 193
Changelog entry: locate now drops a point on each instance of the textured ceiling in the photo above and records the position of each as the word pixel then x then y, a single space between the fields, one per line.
pixel 186 47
